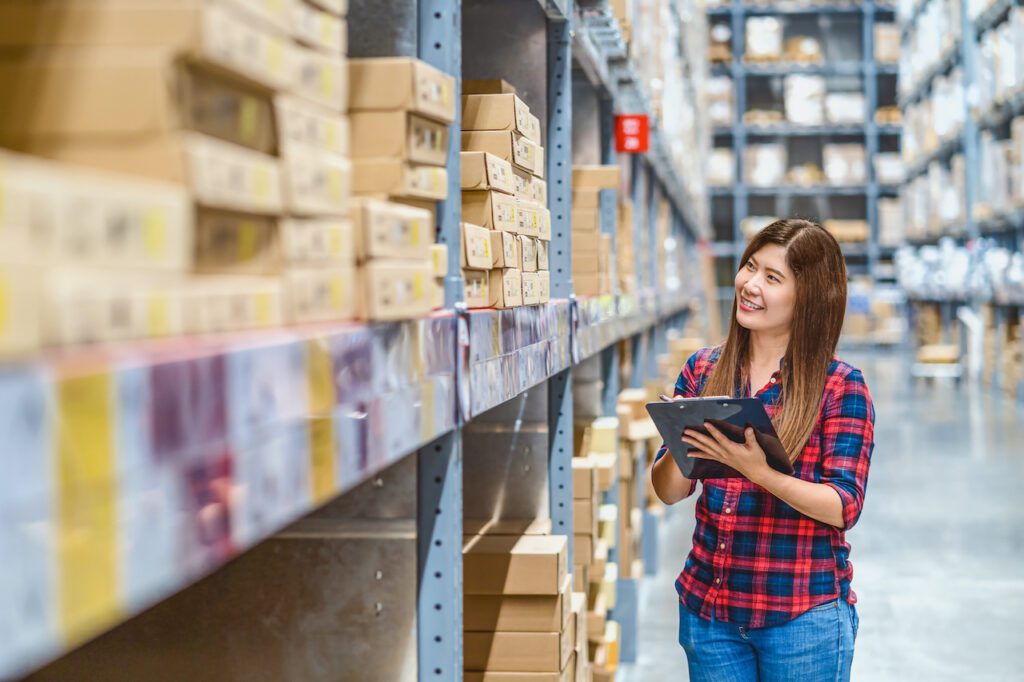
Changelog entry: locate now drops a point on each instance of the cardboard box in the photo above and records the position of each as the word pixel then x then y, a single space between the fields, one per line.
pixel 597 617
pixel 493 210
pixel 401 135
pixel 199 30
pixel 522 181
pixel 520 613
pixel 477 288
pixel 395 290
pixel 317 28
pixel 20 325
pixel 439 260
pixel 476 252
pixel 422 204
pixel 543 261
pixel 514 148
pixel 583 197
pixel 582 548
pixel 317 183
pixel 236 243
pixel 580 575
pixel 585 220
pixel 538 526
pixel 584 517
pixel 336 7
pixel 539 191
pixel 509 565
pixel 505 248
pixel 519 651
pixel 483 171
pixel 506 288
pixel 385 229
pixel 568 675
pixel 578 607
pixel 528 254
pixel 319 78
pixel 318 241
pixel 306 126
pixel 499 112
pixel 595 177
pixel 845 164
pixel 534 219
pixel 584 478
pixel 492 86
pixel 396 178
pixel 587 284
pixel 585 263
pixel 544 286
pixel 606 467
pixel 320 294
pixel 400 83
pixel 531 288
pixel 539 171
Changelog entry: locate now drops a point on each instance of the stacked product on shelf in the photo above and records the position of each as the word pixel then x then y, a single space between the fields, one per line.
pixel 591 247
pixel 518 616
pixel 721 167
pixel 719 102
pixel 887 43
pixel 504 193
pixel 625 252
pixel 400 111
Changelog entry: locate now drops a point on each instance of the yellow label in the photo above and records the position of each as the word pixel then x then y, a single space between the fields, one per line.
pixel 327 30
pixel 334 184
pixel 154 230
pixel 326 81
pixel 4 304
pixel 248 117
pixel 415 227
pixel 334 242
pixel 417 286
pixel 264 308
pixel 322 458
pixel 331 135
pixel 445 96
pixel 337 294
pixel 261 183
pixel 87 518
pixel 158 316
pixel 247 238
pixel 275 56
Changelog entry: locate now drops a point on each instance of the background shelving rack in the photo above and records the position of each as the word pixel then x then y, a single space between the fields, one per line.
pixel 377 413
pixel 861 261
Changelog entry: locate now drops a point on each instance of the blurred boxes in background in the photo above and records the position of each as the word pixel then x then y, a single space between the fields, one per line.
pixel 765 164
pixel 763 39
pixel 721 167
pixel 845 108
pixel 804 98
pixel 845 164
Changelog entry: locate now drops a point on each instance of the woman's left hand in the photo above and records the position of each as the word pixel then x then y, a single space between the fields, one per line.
pixel 748 458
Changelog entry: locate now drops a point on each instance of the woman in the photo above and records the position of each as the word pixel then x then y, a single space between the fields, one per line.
pixel 765 592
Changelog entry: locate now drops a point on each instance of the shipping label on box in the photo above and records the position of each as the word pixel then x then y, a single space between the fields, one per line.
pixel 390 83
pixel 483 171
pixel 439 260
pixel 506 288
pixel 319 78
pixel 396 178
pixel 539 191
pixel 236 243
pixel 396 290
pixel 539 170
pixel 317 28
pixel 531 288
pixel 512 147
pixel 528 254
pixel 544 286
pixel 542 255
pixel 304 125
pixel 499 112
pixel 477 288
pixel 224 175
pixel 315 295
pixel 318 241
pixel 476 253
pixel 493 210
pixel 399 135
pixel 534 220
pixel 523 180
pixel 317 183
pixel 390 230
pixel 504 249
pixel 544 223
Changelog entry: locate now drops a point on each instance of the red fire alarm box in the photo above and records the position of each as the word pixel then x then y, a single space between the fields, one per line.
pixel 632 133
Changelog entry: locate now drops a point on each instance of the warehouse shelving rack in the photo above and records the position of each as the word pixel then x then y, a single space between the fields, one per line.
pixel 341 405
pixel 1008 228
pixel 739 133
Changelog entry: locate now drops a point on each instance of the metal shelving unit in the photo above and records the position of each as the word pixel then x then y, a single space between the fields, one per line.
pixel 741 133
pixel 359 417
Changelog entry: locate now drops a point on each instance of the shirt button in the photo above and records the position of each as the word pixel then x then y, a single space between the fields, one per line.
pixel 718 580
pixel 721 546
pixel 772 380
pixel 728 510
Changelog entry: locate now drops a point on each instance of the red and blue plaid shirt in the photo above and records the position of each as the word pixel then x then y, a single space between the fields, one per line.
pixel 756 561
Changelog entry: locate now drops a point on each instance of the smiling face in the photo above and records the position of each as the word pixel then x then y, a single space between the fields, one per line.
pixel 766 291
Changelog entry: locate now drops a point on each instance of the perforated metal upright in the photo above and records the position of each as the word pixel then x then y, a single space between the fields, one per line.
pixel 439 465
pixel 559 175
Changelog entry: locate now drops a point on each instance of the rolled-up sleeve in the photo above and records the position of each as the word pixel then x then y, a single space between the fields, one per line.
pixel 848 439
pixel 687 386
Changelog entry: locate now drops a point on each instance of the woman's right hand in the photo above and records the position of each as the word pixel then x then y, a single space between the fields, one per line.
pixel 669 483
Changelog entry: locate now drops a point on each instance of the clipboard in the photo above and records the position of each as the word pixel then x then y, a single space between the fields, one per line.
pixel 731 416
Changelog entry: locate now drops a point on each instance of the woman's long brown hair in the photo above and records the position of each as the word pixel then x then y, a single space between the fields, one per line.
pixel 817 263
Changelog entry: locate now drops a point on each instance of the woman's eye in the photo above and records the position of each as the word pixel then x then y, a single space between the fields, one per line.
pixel 750 266
pixel 773 278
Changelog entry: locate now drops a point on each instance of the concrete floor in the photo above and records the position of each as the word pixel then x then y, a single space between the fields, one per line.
pixel 938 551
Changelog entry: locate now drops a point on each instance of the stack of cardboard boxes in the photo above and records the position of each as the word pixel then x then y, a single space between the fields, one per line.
pixel 625 252
pixel 400 111
pixel 503 194
pixel 520 615
pixel 591 248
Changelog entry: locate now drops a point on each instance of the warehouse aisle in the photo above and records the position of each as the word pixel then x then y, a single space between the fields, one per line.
pixel 938 551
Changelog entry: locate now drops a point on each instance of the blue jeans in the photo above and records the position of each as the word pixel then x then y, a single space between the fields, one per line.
pixel 817 646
